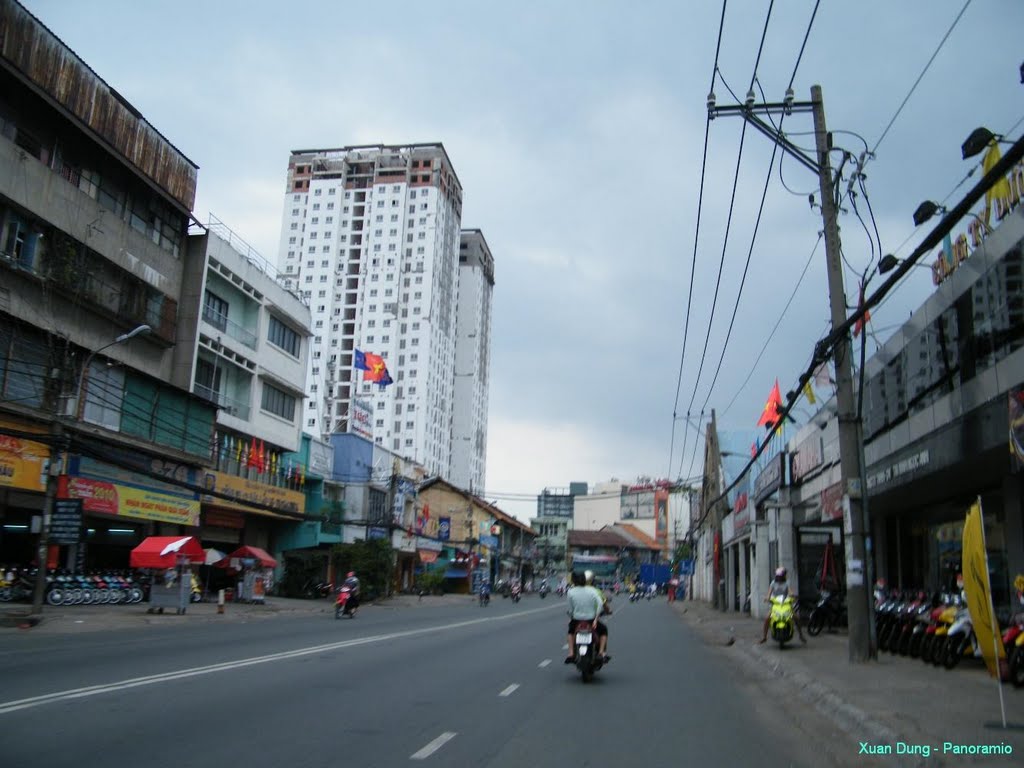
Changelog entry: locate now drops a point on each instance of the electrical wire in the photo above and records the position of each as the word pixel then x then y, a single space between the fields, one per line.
pixel 696 240
pixel 778 322
pixel 919 77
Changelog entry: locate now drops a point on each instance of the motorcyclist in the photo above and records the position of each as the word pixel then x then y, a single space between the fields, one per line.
pixel 779 588
pixel 352 582
pixel 485 592
pixel 602 630
pixel 584 605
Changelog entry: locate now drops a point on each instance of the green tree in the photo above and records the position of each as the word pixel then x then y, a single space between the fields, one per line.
pixel 373 562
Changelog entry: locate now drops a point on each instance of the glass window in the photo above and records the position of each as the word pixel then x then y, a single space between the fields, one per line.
pixel 277 402
pixel 215 311
pixel 280 335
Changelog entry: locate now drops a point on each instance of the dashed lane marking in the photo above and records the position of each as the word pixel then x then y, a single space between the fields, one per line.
pixel 544 663
pixel 510 690
pixel 433 746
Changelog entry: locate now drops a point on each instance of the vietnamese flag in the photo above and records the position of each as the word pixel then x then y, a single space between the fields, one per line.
pixel 772 409
pixel 375 367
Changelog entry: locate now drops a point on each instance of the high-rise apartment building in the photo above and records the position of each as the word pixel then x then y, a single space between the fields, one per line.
pixel 371 238
pixel 472 362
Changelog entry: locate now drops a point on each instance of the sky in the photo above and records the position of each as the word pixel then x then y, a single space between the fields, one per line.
pixel 577 130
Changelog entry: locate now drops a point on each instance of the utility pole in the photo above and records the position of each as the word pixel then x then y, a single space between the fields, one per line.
pixel 859 611
pixel 849 428
pixel 58 451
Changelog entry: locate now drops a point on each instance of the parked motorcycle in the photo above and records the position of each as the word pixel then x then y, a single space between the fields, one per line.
pixel 585 656
pixel 543 592
pixel 781 619
pixel 517 592
pixel 830 612
pixel 961 640
pixel 485 597
pixel 343 604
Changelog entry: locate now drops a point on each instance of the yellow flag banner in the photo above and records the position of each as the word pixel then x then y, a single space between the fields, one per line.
pixel 978 589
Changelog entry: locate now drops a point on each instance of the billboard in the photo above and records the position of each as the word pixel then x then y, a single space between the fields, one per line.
pixel 128 501
pixel 23 463
pixel 244 490
pixel 637 505
pixel 360 418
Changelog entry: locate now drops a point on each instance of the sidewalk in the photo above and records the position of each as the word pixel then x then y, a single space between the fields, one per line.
pixel 93 618
pixel 893 701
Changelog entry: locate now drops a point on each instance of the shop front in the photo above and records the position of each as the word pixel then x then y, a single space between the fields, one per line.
pixel 23 468
pixel 237 510
pixel 120 508
pixel 919 498
pixel 739 549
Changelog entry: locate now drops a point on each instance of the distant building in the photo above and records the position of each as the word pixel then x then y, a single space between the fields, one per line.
pixel 371 237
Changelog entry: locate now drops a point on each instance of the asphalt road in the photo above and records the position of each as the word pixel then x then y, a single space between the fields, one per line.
pixel 455 685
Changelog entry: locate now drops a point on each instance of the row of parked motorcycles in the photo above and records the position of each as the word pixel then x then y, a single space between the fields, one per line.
pixel 66 588
pixel 938 629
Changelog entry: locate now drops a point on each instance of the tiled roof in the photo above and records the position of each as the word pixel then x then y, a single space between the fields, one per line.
pixel 639 536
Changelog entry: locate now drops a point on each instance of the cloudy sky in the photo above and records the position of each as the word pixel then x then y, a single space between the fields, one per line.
pixel 577 130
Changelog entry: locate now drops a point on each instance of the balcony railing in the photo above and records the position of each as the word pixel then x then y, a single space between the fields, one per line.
pixel 234 408
pixel 220 321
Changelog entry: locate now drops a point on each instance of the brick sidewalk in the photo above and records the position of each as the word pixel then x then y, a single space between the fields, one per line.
pixel 893 700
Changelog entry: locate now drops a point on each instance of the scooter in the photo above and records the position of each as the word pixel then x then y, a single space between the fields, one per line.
pixel 343 604
pixel 543 592
pixel 516 593
pixel 485 598
pixel 585 655
pixel 781 621
pixel 829 612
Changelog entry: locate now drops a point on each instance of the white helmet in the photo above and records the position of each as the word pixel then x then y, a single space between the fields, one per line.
pixel 588 577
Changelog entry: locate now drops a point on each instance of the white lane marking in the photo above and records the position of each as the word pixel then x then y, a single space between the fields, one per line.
pixel 433 746
pixel 510 690
pixel 544 663
pixel 78 693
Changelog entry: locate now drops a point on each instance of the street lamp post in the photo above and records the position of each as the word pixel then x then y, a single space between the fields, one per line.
pixel 58 448
pixel 140 330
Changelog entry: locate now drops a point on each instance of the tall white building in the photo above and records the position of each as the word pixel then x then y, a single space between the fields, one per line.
pixel 371 237
pixel 472 363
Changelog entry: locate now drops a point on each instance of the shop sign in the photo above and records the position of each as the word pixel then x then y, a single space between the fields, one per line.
pixel 23 463
pixel 376 532
pixel 66 521
pixel 101 470
pixel 403 541
pixel 321 458
pixel 444 528
pixel 128 501
pixel 808 457
pixel 491 542
pixel 898 469
pixel 947 261
pixel 245 492
pixel 832 503
pixel 770 479
pixel 429 544
pixel 360 418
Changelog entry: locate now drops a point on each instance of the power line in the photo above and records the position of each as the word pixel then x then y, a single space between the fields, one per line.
pixel 696 240
pixel 919 77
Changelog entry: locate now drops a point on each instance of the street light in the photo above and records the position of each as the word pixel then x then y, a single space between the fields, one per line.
pixel 928 209
pixel 140 330
pixel 979 139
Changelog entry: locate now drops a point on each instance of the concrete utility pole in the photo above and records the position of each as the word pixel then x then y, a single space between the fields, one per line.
pixel 849 426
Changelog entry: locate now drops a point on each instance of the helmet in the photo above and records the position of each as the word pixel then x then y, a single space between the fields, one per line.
pixel 780 574
pixel 350 575
pixel 588 576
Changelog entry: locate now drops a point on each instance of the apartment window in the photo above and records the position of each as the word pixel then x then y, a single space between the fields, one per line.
pixel 348 195
pixel 396 188
pixel 316 220
pixel 412 194
pixel 283 337
pixel 309 278
pixel 296 198
pixel 380 203
pixel 295 211
pixel 294 226
pixel 215 311
pixel 412 208
pixel 316 206
pixel 277 402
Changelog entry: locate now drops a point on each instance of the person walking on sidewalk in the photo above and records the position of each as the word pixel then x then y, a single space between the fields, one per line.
pixel 780 588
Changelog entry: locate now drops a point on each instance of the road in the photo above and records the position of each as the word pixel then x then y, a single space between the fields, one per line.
pixel 455 685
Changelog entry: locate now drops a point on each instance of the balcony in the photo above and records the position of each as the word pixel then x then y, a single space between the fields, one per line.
pixel 234 330
pixel 231 407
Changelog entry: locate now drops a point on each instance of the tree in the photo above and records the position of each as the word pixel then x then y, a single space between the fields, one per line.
pixel 373 562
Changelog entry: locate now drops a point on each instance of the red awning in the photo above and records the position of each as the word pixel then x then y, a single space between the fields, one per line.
pixel 164 551
pixel 252 553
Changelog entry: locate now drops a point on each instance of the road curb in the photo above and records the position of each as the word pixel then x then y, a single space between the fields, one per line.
pixel 847 717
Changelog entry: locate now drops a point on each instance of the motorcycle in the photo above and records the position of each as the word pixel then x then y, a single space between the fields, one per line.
pixel 543 591
pixel 829 612
pixel 343 604
pixel 781 621
pixel 485 598
pixel 516 593
pixel 585 656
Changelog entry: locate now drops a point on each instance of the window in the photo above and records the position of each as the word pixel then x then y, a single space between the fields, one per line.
pixel 215 311
pixel 316 206
pixel 277 402
pixel 296 198
pixel 294 225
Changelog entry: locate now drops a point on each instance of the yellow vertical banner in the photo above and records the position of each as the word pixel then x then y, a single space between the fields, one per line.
pixel 978 589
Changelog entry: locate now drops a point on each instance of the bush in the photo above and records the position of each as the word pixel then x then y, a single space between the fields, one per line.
pixel 431 582
pixel 373 562
pixel 302 571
